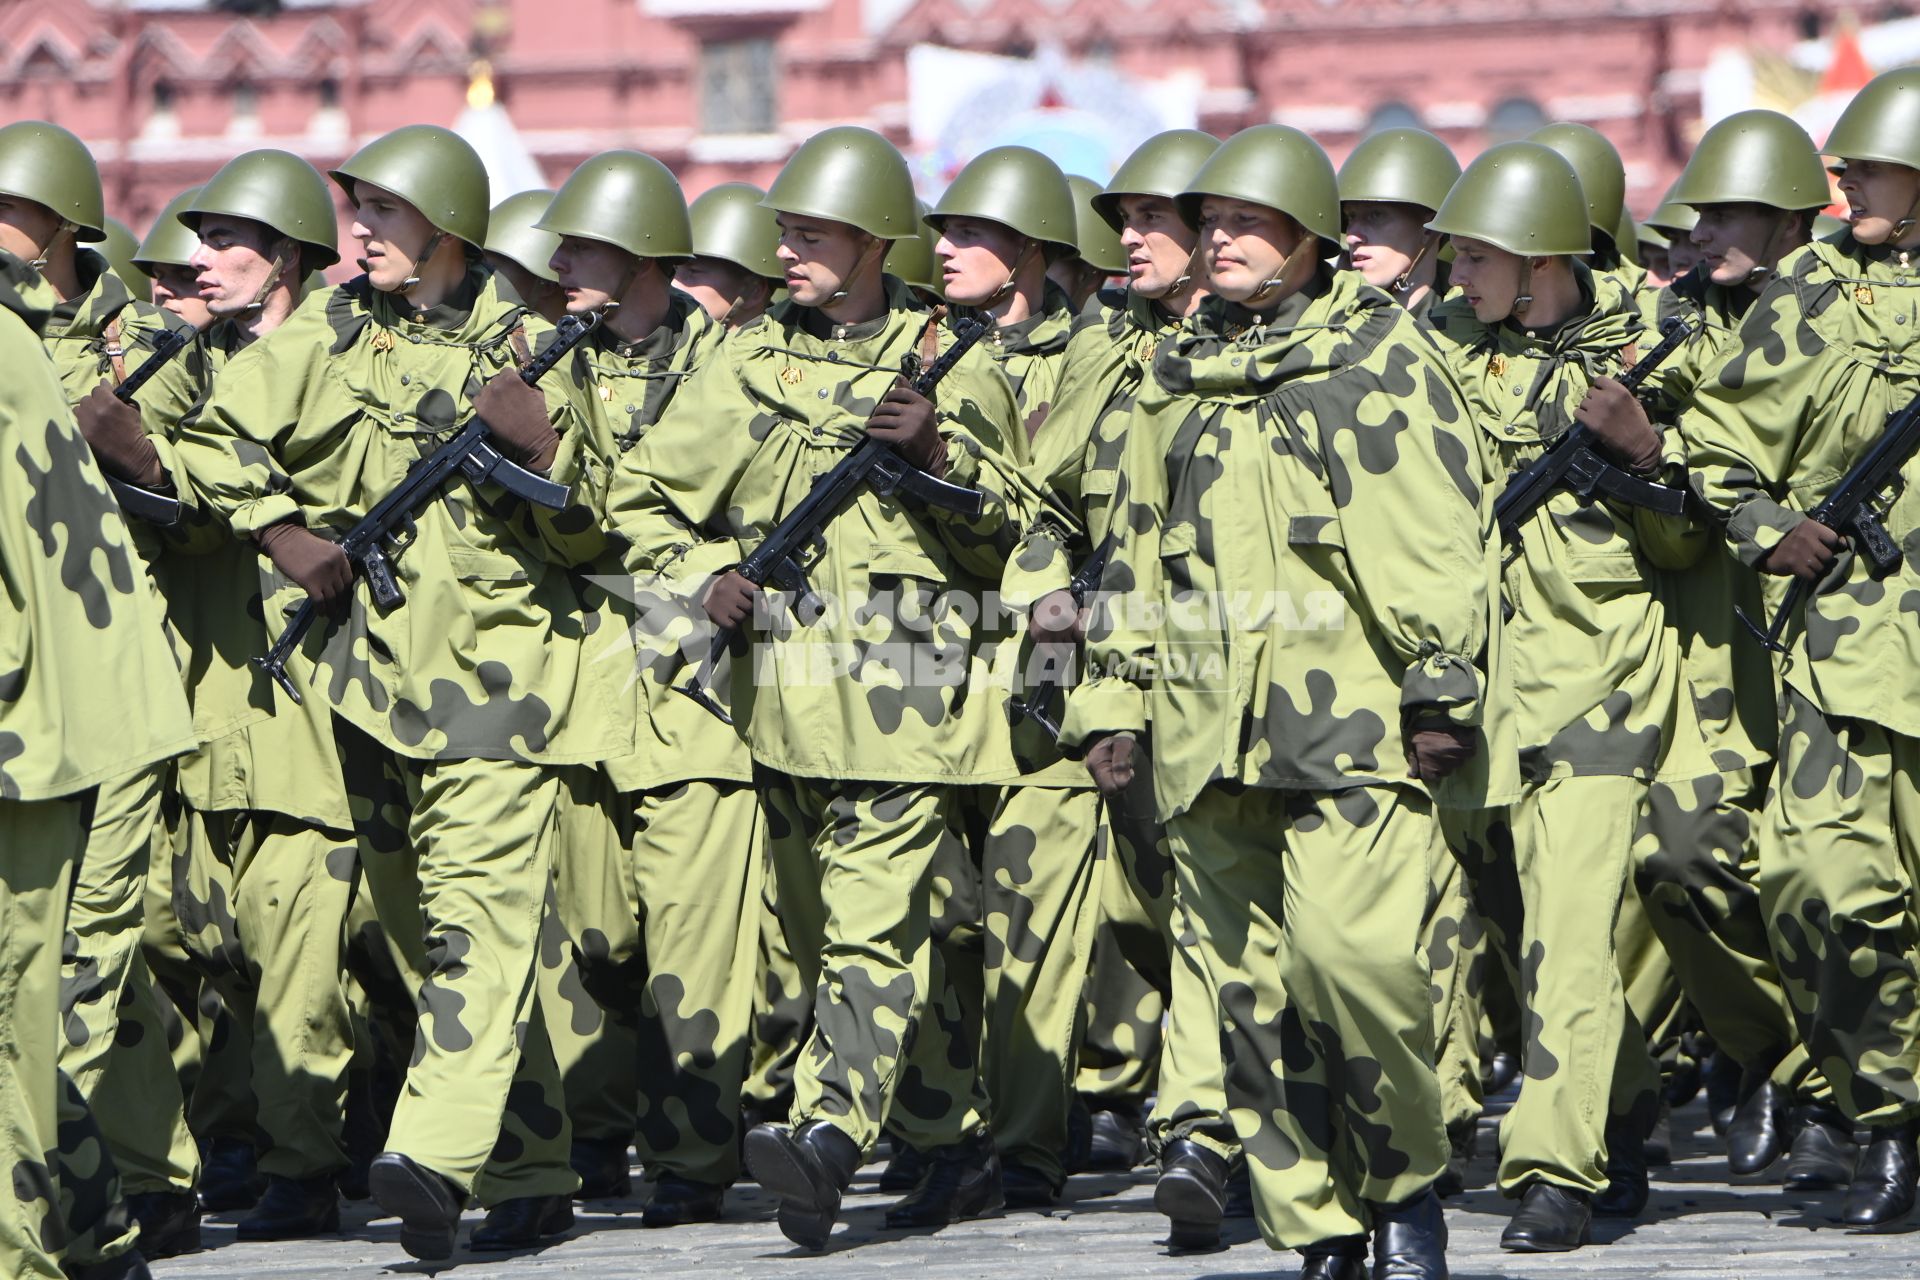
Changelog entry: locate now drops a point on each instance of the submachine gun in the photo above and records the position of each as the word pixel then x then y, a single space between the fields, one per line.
pixel 145 504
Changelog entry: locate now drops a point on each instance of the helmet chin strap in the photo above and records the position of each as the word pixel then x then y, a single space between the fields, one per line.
pixel 1193 269
pixel 1524 298
pixel 1404 281
pixel 1279 277
pixel 426 256
pixel 846 283
pixel 46 250
pixel 274 273
pixel 1005 291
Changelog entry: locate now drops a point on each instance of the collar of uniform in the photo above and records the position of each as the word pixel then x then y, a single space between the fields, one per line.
pixel 25 292
pixel 1043 332
pixel 668 337
pixel 1235 317
pixel 451 312
pixel 1583 280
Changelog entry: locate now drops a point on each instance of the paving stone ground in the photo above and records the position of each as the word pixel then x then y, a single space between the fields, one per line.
pixel 1698 1227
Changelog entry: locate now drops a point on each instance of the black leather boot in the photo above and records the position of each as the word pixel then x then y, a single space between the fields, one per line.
pixel 1027 1188
pixel 603 1169
pixel 961 1181
pixel 169 1223
pixel 427 1205
pixel 1757 1135
pixel 678 1201
pixel 1335 1260
pixel 1626 1192
pixel 1881 1195
pixel 1503 1068
pixel 1823 1152
pixel 229 1176
pixel 1239 1190
pixel 1550 1219
pixel 903 1168
pixel 1463 1140
pixel 1192 1193
pixel 1410 1240
pixel 293 1209
pixel 522 1223
pixel 808 1169
pixel 1116 1141
pixel 131 1265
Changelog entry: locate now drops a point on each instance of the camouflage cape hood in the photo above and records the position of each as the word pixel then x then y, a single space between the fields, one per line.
pixel 88 690
pixel 1266 567
pixel 1827 354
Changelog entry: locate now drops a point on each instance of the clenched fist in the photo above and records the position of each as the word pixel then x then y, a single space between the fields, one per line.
pixel 319 567
pixel 905 419
pixel 119 442
pixel 729 601
pixel 1612 413
pixel 1808 551
pixel 516 414
pixel 1111 763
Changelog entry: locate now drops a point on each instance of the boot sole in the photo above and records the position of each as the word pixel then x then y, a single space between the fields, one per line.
pixel 963 1210
pixel 1543 1246
pixel 327 1226
pixel 1187 1203
pixel 779 1167
pixel 426 1232
pixel 179 1241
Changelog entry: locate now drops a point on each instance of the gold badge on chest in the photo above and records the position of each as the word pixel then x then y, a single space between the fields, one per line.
pixel 791 375
pixel 1863 294
pixel 383 340
pixel 1497 366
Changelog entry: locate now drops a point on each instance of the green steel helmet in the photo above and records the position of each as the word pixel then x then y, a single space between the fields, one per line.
pixel 512 233
pixel 910 258
pixel 432 169
pixel 46 164
pixel 280 190
pixel 626 199
pixel 1602 174
pixel 851 175
pixel 1672 218
pixel 1648 236
pixel 1400 166
pixel 1754 157
pixel 1523 197
pixel 1099 244
pixel 1016 187
pixel 1275 165
pixel 1626 238
pixel 118 249
pixel 168 242
pixel 731 224
pixel 1163 165
pixel 1882 122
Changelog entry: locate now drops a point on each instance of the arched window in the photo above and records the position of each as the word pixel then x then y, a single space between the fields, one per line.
pixel 1514 119
pixel 1393 115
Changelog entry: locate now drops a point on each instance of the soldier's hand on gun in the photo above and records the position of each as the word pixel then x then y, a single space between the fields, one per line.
pixel 1808 551
pixel 319 567
pixel 1110 761
pixel 905 419
pixel 729 601
pixel 1435 750
pixel 516 414
pixel 1056 619
pixel 1618 418
pixel 119 442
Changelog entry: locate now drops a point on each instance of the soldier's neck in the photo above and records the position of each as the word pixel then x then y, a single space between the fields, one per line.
pixel 642 310
pixel 1027 299
pixel 1182 302
pixel 62 273
pixel 440 275
pixel 1556 300
pixel 865 299
pixel 273 312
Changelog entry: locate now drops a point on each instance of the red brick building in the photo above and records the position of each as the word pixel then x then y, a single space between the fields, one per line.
pixel 166 90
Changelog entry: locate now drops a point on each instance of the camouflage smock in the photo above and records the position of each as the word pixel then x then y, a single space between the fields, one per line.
pixel 1267 568
pixel 491 654
pixel 88 690
pixel 1590 669
pixel 631 384
pixel 876 688
pixel 284 759
pixel 1827 354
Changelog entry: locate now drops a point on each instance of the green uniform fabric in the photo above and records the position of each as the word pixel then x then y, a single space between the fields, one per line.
pixel 858 698
pixel 1596 689
pixel 782 1010
pixel 1266 462
pixel 83 641
pixel 1768 434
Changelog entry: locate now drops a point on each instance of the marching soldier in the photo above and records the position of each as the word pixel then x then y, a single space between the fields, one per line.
pixel 1097 255
pixel 520 252
pixel 163 256
pixel 1389 189
pixel 452 709
pixel 855 712
pixel 733 272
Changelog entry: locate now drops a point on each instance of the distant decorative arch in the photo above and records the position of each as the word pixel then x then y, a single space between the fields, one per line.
pixel 1514 118
pixel 1393 115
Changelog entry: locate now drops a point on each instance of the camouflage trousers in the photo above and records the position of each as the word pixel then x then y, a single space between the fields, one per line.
pixel 1118 1065
pixel 1014 905
pixel 1656 1010
pixel 658 894
pixel 1546 877
pixel 853 860
pixel 1838 883
pixel 285 887
pixel 1308 909
pixel 782 1011
pixel 1455 943
pixel 115 1043
pixel 456 856
pixel 64 1198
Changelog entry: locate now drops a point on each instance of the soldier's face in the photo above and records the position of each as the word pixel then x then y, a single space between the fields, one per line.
pixel 820 256
pixel 717 285
pixel 977 259
pixel 1488 277
pixel 1158 242
pixel 27 227
pixel 1879 197
pixel 1682 257
pixel 1383 239
pixel 1736 240
pixel 175 289
pixel 592 273
pixel 1245 245
pixel 232 264
pixel 1659 267
pixel 392 235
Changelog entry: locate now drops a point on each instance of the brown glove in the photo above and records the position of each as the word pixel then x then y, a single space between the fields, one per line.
pixel 1612 413
pixel 905 419
pixel 1055 619
pixel 1435 750
pixel 319 567
pixel 729 601
pixel 1110 761
pixel 120 444
pixel 1807 551
pixel 516 414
